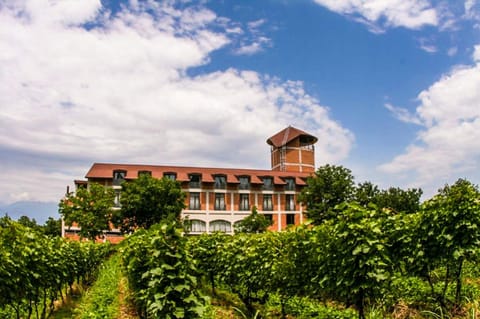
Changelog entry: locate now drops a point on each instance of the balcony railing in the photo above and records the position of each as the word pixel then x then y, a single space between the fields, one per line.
pixel 244 186
pixel 194 184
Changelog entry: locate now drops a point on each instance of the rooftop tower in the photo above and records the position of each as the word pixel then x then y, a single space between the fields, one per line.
pixel 292 150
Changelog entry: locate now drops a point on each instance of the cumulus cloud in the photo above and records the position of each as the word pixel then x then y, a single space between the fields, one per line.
pixel 411 14
pixel 98 86
pixel 448 146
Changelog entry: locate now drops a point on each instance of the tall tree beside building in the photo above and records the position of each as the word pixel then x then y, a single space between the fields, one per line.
pixel 399 200
pixel 366 193
pixel 90 209
pixel 53 227
pixel 146 201
pixel 254 223
pixel 394 198
pixel 329 186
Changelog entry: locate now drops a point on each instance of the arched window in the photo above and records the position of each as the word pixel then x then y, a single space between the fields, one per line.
pixel 220 225
pixel 198 226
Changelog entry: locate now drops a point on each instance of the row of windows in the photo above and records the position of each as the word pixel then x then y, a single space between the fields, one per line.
pixel 244 202
pixel 199 226
pixel 220 181
pixel 219 203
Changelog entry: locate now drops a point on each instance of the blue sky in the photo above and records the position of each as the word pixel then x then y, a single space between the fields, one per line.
pixel 391 88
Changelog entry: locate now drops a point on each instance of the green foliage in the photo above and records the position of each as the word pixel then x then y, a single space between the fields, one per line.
pixel 308 308
pixel 52 227
pixel 330 186
pixel 246 262
pixel 366 193
pixel 399 200
pixel 102 299
pixel 355 264
pixel 147 201
pixel 205 250
pixel 27 222
pixel 449 235
pixel 162 273
pixel 35 269
pixel 90 208
pixel 393 198
pixel 253 224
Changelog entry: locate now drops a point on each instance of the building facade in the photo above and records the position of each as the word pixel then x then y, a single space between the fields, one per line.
pixel 217 198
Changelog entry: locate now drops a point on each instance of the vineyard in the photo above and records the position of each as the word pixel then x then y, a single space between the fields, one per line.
pixel 37 270
pixel 364 262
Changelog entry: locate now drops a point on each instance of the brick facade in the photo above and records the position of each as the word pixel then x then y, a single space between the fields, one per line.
pixel 217 198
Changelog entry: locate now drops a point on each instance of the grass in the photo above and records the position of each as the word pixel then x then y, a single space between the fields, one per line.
pixel 102 299
pixel 107 298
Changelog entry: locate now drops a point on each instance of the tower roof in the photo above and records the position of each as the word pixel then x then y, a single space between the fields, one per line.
pixel 288 134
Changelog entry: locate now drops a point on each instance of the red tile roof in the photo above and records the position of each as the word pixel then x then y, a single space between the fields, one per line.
pixel 288 134
pixel 105 170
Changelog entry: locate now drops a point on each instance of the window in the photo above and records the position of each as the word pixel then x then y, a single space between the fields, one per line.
pixel 195 180
pixel 172 176
pixel 119 177
pixel 220 225
pixel 268 217
pixel 149 173
pixel 244 202
pixel 244 182
pixel 290 184
pixel 290 219
pixel 197 226
pixel 219 201
pixel 267 183
pixel 194 201
pixel 289 202
pixel 267 202
pixel 220 182
pixel 116 199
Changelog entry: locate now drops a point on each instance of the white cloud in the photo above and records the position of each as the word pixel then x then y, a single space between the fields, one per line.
pixel 452 51
pixel 251 48
pixel 448 147
pixel 255 42
pixel 476 53
pixel 411 14
pixel 120 92
pixel 472 12
pixel 402 114
pixel 427 46
pixel 256 24
pixel 471 9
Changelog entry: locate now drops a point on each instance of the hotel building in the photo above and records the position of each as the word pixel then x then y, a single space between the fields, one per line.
pixel 217 198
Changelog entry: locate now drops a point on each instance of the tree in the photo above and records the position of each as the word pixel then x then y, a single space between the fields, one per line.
pixel 254 223
pixel 399 200
pixel 393 198
pixel 52 227
pixel 90 209
pixel 366 193
pixel 27 222
pixel 331 185
pixel 146 201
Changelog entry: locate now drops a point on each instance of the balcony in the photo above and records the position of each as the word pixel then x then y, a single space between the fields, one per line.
pixel 194 184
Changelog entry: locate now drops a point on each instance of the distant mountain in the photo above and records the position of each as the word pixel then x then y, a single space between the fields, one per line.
pixel 40 211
